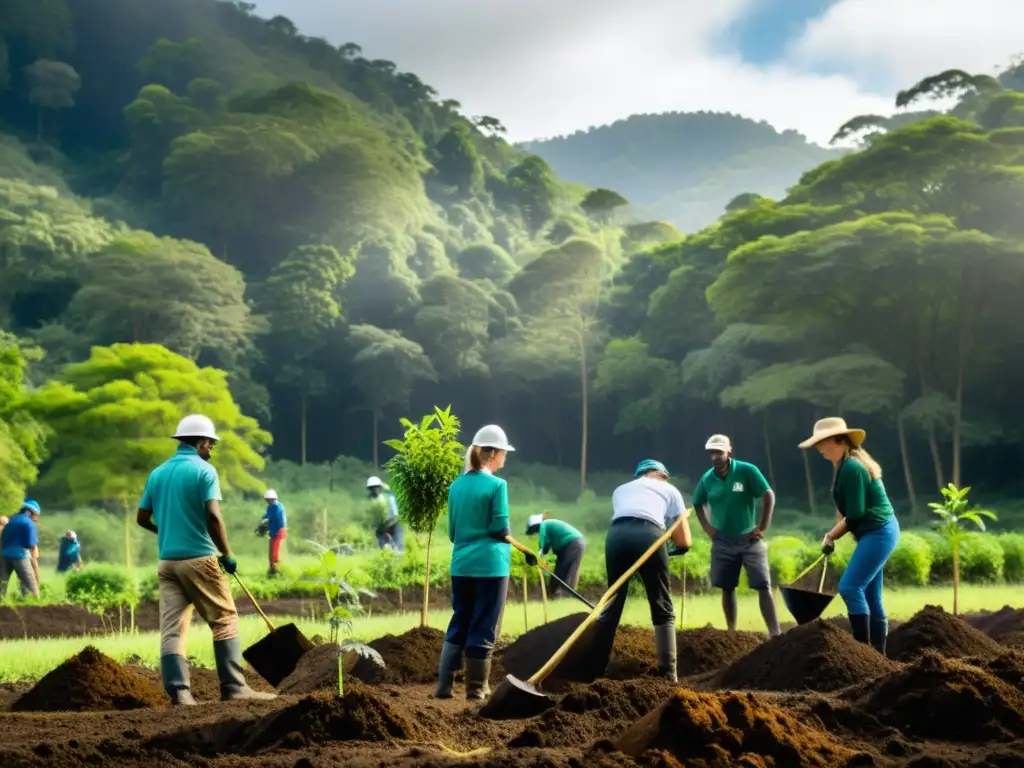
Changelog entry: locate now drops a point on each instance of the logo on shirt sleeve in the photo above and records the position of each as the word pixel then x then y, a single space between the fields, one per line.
pixel 737 487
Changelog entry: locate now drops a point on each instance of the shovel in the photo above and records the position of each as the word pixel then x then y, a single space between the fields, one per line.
pixel 276 655
pixel 803 604
pixel 515 698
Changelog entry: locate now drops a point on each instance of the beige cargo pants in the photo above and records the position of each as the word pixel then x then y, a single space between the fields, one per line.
pixel 198 583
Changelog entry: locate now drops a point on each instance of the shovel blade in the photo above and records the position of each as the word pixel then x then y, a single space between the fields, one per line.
pixel 276 655
pixel 805 605
pixel 515 699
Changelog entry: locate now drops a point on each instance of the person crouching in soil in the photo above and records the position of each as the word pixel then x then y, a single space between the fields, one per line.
pixel 567 544
pixel 730 488
pixel 481 561
pixel 641 512
pixel 863 509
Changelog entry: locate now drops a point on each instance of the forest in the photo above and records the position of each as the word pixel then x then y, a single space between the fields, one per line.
pixel 200 207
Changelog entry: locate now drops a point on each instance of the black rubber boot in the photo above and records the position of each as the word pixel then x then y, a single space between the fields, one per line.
pixel 860 624
pixel 879 633
pixel 174 671
pixel 478 672
pixel 665 643
pixel 599 654
pixel 447 667
pixel 228 655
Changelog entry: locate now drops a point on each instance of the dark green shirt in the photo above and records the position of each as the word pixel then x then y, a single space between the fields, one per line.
pixel 554 535
pixel 478 508
pixel 732 498
pixel 861 500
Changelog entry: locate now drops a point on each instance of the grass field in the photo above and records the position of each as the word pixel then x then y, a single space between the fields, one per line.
pixel 31 659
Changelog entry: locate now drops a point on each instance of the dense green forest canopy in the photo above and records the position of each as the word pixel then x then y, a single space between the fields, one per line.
pixel 220 192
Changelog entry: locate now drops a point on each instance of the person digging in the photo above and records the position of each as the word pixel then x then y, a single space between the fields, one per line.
pixel 181 505
pixel 19 550
pixel 275 524
pixel 731 488
pixel 567 544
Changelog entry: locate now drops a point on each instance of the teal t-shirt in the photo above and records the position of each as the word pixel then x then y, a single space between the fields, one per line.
pixel 177 492
pixel 732 498
pixel 860 499
pixel 554 535
pixel 478 507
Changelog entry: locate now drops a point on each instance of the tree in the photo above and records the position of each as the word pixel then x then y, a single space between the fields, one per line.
pixel 174 64
pixel 601 204
pixel 425 464
pixel 533 187
pixel 22 437
pixel 953 513
pixel 113 416
pixel 386 367
pixel 52 85
pixel 486 261
pixel 489 124
pixel 457 162
pixel 860 126
pixel 453 326
pixel 952 82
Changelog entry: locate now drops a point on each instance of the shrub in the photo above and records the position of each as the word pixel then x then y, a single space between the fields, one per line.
pixel 787 556
pixel 981 559
pixel 911 563
pixel 101 588
pixel 1012 545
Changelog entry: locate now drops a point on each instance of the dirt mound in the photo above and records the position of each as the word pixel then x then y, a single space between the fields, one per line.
pixel 708 649
pixel 316 671
pixel 940 698
pixel 815 656
pixel 593 712
pixel 633 654
pixel 91 682
pixel 410 658
pixel 1007 666
pixel 933 628
pixel 1006 622
pixel 722 730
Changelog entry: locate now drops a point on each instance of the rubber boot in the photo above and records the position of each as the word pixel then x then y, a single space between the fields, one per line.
pixel 228 655
pixel 447 667
pixel 860 624
pixel 602 649
pixel 665 643
pixel 478 672
pixel 174 671
pixel 879 632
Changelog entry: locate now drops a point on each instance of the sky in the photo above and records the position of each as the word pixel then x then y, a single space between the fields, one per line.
pixel 551 67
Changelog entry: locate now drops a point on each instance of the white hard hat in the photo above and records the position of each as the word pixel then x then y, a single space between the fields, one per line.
pixel 72 535
pixel 492 436
pixel 196 425
pixel 718 443
pixel 270 495
pixel 374 482
pixel 534 520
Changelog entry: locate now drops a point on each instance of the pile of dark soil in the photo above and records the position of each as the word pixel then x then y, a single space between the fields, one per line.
pixel 1007 666
pixel 532 649
pixel 708 730
pixel 933 628
pixel 1006 623
pixel 316 671
pixel 708 649
pixel 816 656
pixel 593 712
pixel 91 682
pixel 633 654
pixel 410 657
pixel 941 698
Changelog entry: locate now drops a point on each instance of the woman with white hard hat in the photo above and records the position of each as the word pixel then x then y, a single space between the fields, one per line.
pixel 478 526
pixel 864 510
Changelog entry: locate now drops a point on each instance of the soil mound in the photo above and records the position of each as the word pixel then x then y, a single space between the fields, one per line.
pixel 708 649
pixel 410 658
pixel 1006 622
pixel 91 682
pixel 815 656
pixel 1007 666
pixel 941 698
pixel 532 649
pixel 633 654
pixel 933 628
pixel 723 730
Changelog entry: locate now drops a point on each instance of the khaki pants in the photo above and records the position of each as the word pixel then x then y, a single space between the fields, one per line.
pixel 198 583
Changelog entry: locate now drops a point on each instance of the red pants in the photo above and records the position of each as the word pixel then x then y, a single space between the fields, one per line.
pixel 275 545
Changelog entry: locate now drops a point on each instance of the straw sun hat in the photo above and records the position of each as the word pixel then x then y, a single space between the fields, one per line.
pixel 833 427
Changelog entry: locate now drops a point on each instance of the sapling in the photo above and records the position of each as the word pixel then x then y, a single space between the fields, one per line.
pixel 953 512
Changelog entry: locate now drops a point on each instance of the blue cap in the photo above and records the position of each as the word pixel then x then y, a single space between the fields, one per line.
pixel 649 465
pixel 31 505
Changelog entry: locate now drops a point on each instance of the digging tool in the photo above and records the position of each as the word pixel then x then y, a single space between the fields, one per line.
pixel 540 564
pixel 515 698
pixel 276 655
pixel 803 604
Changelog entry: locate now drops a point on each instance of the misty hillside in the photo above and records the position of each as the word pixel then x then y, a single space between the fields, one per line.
pixel 683 167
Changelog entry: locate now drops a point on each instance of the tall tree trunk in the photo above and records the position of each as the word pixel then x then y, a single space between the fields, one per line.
pixel 426 582
pixel 768 449
pixel 584 414
pixel 963 354
pixel 905 455
pixel 933 446
pixel 810 484
pixel 126 511
pixel 376 438
pixel 304 426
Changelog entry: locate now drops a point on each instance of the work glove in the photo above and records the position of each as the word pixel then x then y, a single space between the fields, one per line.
pixel 262 529
pixel 674 551
pixel 827 545
pixel 531 560
pixel 228 563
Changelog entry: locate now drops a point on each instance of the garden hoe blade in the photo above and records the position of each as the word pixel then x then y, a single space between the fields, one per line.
pixel 276 655
pixel 515 699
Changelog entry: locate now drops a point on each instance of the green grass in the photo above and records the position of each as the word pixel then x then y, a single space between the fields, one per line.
pixel 31 659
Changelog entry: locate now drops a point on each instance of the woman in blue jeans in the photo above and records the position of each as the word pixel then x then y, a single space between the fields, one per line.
pixel 863 510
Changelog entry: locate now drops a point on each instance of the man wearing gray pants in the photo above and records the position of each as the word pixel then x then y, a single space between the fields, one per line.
pixel 730 489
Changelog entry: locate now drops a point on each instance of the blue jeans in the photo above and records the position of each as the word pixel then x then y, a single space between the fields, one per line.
pixel 477 605
pixel 861 584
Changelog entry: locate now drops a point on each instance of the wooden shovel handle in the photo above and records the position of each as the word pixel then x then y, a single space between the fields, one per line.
pixel 270 624
pixel 824 567
pixel 555 660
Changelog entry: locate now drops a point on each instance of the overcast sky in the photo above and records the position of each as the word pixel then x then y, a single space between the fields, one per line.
pixel 549 67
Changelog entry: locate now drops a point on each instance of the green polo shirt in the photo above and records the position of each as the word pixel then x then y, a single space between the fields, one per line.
pixel 554 535
pixel 861 500
pixel 732 498
pixel 478 507
pixel 177 492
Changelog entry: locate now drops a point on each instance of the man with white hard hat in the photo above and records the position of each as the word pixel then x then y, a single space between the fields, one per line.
pixel 730 489
pixel 181 505
pixel 389 528
pixel 276 524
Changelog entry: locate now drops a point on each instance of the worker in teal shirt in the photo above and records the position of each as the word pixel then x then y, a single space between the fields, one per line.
pixel 70 554
pixel 481 560
pixel 567 544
